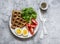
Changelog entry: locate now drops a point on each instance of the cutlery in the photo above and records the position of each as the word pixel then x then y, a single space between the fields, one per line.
pixel 43 20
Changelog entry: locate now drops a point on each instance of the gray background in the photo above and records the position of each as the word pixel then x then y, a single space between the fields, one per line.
pixel 52 23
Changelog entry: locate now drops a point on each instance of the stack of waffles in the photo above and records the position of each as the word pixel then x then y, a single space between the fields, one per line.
pixel 17 21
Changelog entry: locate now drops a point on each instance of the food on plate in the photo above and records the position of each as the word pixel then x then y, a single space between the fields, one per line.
pixel 17 21
pixel 31 30
pixel 34 21
pixel 18 31
pixel 32 26
pixel 24 18
pixel 25 32
pixel 28 14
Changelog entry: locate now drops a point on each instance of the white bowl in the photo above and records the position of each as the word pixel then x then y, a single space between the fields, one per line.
pixel 45 7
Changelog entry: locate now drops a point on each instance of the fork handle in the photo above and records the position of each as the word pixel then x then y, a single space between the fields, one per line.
pixel 42 34
pixel 44 29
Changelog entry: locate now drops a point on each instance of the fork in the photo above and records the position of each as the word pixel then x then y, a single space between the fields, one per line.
pixel 44 31
pixel 43 20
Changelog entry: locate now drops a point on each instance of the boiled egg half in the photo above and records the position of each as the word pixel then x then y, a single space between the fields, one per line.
pixel 25 32
pixel 18 31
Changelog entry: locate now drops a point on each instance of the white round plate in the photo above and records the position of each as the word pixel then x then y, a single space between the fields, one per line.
pixel 29 35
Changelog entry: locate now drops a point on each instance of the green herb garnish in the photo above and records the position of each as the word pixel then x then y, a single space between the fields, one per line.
pixel 28 14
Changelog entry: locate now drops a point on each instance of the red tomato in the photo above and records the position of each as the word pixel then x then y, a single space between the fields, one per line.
pixel 33 26
pixel 28 25
pixel 34 21
pixel 31 31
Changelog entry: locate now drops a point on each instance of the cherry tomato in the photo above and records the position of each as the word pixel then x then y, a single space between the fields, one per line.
pixel 33 26
pixel 31 31
pixel 28 25
pixel 34 21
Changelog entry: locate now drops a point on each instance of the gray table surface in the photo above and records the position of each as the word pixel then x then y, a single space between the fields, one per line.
pixel 52 23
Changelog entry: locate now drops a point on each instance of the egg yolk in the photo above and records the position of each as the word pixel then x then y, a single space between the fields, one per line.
pixel 18 31
pixel 25 32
